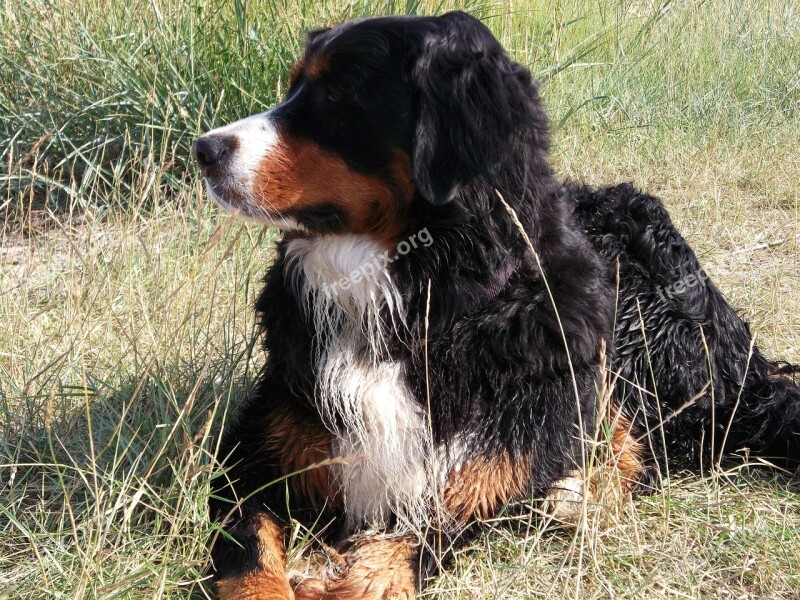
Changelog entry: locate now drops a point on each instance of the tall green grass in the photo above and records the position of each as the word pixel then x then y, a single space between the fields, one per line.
pixel 108 95
pixel 126 329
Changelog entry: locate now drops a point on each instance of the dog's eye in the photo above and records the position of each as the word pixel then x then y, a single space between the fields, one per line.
pixel 335 95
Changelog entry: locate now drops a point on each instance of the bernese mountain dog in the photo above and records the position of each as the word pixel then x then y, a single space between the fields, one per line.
pixel 448 327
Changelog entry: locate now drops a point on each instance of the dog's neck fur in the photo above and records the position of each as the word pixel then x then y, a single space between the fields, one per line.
pixel 328 274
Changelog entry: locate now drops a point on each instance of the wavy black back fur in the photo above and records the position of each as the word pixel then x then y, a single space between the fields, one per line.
pixel 677 339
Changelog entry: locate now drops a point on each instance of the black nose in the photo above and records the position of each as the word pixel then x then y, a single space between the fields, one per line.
pixel 213 150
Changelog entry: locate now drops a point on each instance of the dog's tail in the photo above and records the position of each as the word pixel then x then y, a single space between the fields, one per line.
pixel 765 418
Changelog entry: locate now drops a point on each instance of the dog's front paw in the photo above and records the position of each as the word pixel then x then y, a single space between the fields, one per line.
pixel 249 561
pixel 375 569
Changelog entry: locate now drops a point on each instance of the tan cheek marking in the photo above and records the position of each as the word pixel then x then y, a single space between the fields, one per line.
pixel 295 72
pixel 299 447
pixel 317 66
pixel 401 170
pixel 483 485
pixel 298 174
pixel 270 581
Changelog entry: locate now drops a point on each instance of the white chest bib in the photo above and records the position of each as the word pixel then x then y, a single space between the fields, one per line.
pixel 380 430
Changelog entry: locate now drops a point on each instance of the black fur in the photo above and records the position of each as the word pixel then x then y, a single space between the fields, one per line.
pixel 512 336
pixel 694 339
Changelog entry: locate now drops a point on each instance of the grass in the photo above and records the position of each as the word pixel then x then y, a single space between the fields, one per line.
pixel 126 330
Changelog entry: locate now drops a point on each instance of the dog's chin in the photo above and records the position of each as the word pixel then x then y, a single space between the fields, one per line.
pixel 234 204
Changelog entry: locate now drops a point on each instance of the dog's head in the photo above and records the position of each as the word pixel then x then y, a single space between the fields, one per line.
pixel 380 113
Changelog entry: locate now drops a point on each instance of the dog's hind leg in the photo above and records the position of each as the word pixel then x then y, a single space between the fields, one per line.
pixel 676 335
pixel 618 470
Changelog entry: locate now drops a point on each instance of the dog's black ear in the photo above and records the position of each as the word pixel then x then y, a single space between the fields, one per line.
pixel 472 101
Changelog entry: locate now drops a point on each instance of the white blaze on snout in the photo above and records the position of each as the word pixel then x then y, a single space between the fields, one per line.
pixel 232 188
pixel 256 137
